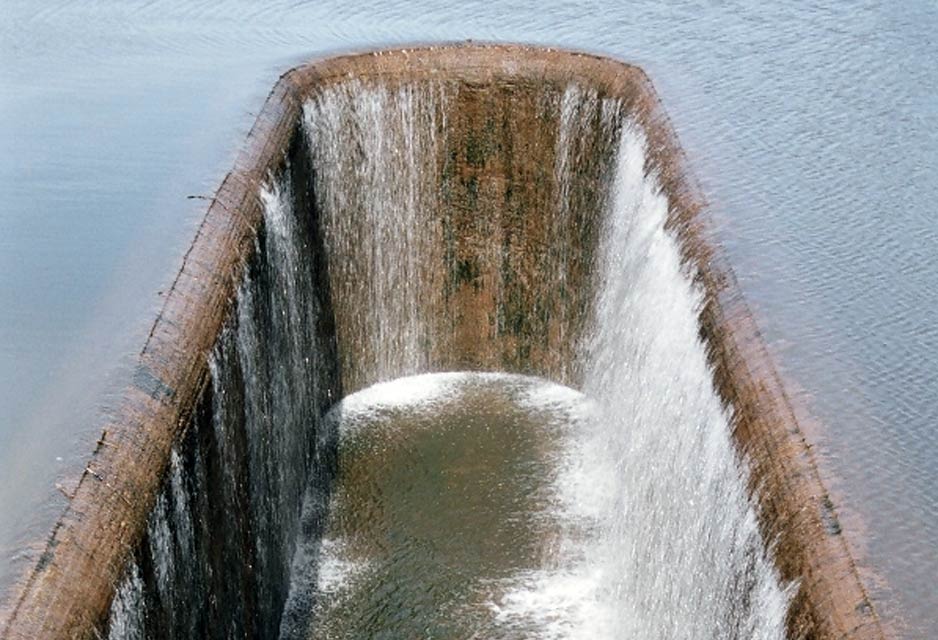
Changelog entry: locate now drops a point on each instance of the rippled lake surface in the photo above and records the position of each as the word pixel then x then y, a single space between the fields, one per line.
pixel 813 131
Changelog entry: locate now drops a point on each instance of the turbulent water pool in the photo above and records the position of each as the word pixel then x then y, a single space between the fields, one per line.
pixel 480 506
pixel 447 512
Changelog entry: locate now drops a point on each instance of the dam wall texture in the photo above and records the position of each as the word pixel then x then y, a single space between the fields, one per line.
pixel 406 211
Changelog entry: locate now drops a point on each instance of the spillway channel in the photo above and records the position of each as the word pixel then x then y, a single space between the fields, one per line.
pixel 299 455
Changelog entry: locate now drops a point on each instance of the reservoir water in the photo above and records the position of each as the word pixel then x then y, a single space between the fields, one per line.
pixel 811 129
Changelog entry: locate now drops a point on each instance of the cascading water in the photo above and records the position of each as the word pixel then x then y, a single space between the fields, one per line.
pixel 672 548
pixel 226 522
pixel 374 155
pixel 656 536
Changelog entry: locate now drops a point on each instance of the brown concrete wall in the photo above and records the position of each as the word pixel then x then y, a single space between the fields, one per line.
pixel 490 289
pixel 493 309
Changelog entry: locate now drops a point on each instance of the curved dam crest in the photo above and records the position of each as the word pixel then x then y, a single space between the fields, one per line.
pixel 477 208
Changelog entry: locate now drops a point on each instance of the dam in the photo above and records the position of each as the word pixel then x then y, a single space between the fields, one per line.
pixel 518 211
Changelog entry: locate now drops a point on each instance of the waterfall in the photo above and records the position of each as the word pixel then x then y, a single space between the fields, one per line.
pixel 371 281
pixel 665 540
pixel 375 156
pixel 678 542
pixel 216 558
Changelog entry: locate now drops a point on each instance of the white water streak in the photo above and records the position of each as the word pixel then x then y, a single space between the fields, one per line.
pixel 375 155
pixel 127 608
pixel 664 539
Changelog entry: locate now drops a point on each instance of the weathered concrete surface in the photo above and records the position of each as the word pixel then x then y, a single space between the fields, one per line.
pixel 491 314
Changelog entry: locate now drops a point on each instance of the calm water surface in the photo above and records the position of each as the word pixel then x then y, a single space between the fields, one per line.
pixel 813 130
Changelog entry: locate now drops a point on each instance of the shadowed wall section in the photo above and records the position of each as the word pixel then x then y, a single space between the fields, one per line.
pixel 191 502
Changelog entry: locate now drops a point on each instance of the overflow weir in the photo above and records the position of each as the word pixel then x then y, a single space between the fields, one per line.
pixel 450 208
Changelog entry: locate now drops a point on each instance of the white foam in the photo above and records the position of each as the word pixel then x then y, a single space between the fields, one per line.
pixel 563 604
pixel 336 569
pixel 409 392
pixel 658 528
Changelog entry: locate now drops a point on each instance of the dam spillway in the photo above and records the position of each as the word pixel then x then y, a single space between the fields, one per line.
pixel 474 208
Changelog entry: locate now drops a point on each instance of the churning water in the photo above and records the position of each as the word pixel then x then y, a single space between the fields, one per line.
pixel 447 501
pixel 498 506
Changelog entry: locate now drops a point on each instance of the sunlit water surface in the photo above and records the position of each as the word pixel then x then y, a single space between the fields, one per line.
pixel 811 128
